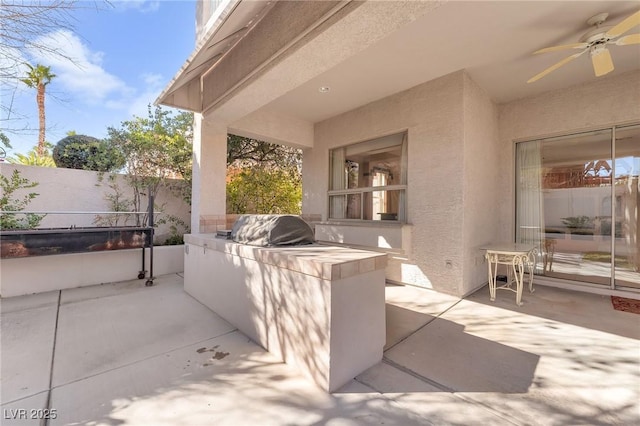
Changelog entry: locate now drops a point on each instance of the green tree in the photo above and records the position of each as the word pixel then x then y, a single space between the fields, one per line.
pixel 154 148
pixel 11 203
pixel 262 178
pixel 38 78
pixel 86 153
pixel 264 190
pixel 243 152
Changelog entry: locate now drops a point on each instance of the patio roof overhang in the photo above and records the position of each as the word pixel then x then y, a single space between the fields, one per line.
pixel 231 24
pixel 272 57
pixel 238 45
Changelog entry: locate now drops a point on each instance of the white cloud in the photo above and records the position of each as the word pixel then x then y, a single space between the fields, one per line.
pixel 145 6
pixel 153 84
pixel 83 83
pixel 79 70
pixel 80 73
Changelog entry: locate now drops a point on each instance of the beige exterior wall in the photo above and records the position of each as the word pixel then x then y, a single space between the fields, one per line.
pixel 207 13
pixel 452 129
pixel 607 101
pixel 483 173
pixel 81 191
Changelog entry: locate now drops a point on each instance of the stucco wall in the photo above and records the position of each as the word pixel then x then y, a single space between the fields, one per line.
pixel 605 102
pixel 433 115
pixel 453 172
pixel 483 172
pixel 209 169
pixel 274 127
pixel 80 190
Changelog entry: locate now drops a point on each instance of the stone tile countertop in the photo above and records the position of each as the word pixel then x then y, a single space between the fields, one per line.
pixel 322 261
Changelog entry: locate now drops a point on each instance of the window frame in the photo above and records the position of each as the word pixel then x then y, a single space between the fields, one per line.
pixel 361 191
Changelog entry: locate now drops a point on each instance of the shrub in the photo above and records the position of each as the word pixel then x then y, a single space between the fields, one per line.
pixel 577 222
pixel 86 153
pixel 10 203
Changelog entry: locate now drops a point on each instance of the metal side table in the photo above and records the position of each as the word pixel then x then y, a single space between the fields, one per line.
pixel 516 257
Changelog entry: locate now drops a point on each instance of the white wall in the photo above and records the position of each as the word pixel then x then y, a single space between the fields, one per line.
pixel 209 169
pixel 62 189
pixel 39 274
pixel 560 203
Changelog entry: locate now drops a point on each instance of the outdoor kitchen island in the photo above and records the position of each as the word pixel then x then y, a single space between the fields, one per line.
pixel 319 308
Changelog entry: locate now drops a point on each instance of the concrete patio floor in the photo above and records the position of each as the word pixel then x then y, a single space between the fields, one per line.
pixel 125 354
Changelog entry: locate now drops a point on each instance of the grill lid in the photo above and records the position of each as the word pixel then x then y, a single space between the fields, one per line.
pixel 271 230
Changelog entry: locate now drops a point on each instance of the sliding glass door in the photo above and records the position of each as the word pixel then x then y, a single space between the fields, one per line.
pixel 627 207
pixel 577 201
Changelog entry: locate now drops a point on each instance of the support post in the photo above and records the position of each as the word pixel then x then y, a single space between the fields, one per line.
pixel 149 281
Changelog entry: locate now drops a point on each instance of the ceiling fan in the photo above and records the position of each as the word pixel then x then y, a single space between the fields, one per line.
pixel 595 42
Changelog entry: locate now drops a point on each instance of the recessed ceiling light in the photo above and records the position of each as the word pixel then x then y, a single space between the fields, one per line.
pixel 324 89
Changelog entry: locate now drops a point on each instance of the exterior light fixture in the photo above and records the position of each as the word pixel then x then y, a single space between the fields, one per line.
pixel 324 89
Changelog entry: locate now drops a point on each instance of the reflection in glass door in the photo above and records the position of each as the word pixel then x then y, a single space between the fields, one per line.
pixel 627 207
pixel 577 201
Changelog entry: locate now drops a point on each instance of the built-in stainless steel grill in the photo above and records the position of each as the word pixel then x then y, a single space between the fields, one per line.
pixel 271 230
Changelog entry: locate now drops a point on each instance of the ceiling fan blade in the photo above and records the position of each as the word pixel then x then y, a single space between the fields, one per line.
pixel 602 63
pixel 562 47
pixel 630 39
pixel 555 67
pixel 625 25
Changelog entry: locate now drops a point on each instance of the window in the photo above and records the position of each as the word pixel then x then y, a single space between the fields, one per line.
pixel 368 180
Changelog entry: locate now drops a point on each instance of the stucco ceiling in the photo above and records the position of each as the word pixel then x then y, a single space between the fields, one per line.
pixel 492 40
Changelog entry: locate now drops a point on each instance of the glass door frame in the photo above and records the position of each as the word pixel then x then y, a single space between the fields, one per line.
pixel 612 192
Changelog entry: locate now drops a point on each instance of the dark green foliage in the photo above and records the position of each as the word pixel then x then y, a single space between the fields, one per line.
pixel 577 222
pixel 9 203
pixel 87 153
pixel 174 240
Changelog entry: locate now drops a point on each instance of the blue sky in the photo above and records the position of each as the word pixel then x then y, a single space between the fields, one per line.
pixel 124 55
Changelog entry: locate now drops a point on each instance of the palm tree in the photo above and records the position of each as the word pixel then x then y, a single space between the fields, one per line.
pixel 37 78
pixel 32 158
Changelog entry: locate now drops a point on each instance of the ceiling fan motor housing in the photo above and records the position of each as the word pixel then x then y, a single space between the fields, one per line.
pixel 595 35
pixel 597 48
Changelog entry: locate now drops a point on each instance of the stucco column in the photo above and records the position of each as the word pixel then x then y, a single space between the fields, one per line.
pixel 209 170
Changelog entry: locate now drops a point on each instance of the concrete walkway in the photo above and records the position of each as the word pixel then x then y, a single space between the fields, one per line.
pixel 123 354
